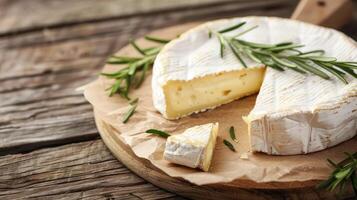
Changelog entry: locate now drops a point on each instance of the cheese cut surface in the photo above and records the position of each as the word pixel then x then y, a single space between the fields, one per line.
pixel 186 97
pixel 294 113
pixel 194 147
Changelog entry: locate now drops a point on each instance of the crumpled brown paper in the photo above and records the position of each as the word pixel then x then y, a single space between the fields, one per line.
pixel 226 165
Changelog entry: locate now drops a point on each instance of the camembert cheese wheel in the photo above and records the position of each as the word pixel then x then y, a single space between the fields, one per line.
pixel 294 113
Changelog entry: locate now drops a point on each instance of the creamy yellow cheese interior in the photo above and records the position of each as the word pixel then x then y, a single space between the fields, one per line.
pixel 186 97
pixel 208 153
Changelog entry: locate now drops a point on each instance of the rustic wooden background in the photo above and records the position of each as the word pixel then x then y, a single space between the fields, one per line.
pixel 49 145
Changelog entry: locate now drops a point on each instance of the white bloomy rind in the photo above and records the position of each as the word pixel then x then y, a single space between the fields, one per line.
pixel 194 147
pixel 294 113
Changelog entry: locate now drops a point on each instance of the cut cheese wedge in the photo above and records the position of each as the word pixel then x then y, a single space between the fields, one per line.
pixel 194 147
pixel 186 97
pixel 294 113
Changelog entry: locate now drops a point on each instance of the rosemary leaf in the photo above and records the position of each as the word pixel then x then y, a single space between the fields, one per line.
pixel 152 50
pixel 335 184
pixel 113 60
pixel 275 66
pixel 155 39
pixel 129 113
pixel 321 52
pixel 285 47
pixel 333 71
pixel 232 27
pixel 329 65
pixel 256 45
pixel 283 62
pixel 311 69
pixel 235 52
pixel 111 75
pixel 143 73
pixel 233 134
pixel 343 173
pixel 148 49
pixel 229 145
pixel 296 69
pixel 158 132
pixel 132 69
pixel 343 64
pixel 115 87
pixel 121 59
pixel 349 62
pixel 244 32
pixel 251 55
pixel 349 71
pixel 222 46
pixel 266 60
pixel 322 58
pixel 283 44
pixel 137 48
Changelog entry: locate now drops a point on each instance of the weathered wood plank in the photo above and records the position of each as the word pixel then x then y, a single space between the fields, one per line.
pixel 39 105
pixel 130 25
pixel 49 13
pixel 84 170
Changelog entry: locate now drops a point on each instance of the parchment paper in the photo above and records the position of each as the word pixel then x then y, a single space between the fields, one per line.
pixel 226 165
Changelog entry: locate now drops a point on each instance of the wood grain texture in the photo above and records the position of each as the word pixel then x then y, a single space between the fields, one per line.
pixel 84 170
pixel 148 21
pixel 329 13
pixel 50 47
pixel 50 13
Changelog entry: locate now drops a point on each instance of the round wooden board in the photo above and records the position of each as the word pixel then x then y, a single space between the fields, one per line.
pixel 239 189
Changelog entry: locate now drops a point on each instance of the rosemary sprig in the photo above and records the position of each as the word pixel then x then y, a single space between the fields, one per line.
pixel 158 132
pixel 233 134
pixel 133 74
pixel 283 55
pixel 229 145
pixel 345 171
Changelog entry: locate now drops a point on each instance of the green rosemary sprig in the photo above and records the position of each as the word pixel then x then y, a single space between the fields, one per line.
pixel 345 171
pixel 283 55
pixel 158 132
pixel 134 73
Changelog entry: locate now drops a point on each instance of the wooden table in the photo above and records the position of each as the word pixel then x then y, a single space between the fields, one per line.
pixel 49 145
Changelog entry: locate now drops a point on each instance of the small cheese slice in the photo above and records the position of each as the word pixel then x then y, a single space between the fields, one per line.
pixel 194 147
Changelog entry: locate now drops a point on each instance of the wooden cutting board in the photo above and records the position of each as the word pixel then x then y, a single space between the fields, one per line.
pixel 240 189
